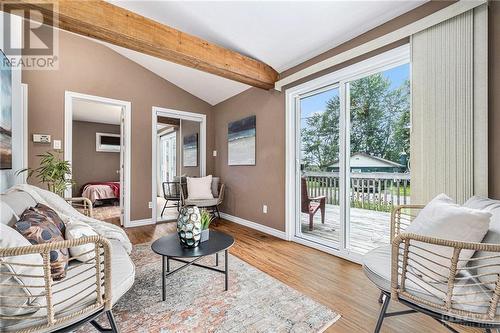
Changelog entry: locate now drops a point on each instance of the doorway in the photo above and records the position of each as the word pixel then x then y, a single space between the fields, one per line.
pixel 97 145
pixel 348 151
pixel 178 151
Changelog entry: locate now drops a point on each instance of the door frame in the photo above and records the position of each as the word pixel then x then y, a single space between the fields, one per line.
pixel 183 115
pixel 69 97
pixel 381 62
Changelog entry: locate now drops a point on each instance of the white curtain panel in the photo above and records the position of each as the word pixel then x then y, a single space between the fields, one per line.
pixel 449 138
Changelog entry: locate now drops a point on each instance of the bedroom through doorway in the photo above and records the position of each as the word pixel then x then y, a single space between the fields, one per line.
pixel 96 146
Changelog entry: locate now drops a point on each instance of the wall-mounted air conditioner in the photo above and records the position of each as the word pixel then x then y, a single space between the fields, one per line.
pixel 107 142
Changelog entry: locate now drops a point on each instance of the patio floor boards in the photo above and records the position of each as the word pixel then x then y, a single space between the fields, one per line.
pixel 369 229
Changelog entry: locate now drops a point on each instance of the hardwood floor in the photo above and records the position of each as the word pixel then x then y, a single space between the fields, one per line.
pixel 335 282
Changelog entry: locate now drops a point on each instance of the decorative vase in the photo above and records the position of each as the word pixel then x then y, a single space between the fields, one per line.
pixel 189 226
pixel 205 235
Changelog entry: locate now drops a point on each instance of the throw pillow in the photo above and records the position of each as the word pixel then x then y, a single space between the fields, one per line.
pixel 75 230
pixel 51 215
pixel 443 218
pixel 487 267
pixel 199 188
pixel 23 287
pixel 38 229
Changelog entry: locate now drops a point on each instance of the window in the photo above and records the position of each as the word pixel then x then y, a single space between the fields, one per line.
pixel 107 142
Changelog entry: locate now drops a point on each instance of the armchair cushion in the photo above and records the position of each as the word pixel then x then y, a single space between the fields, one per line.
pixel 442 218
pixel 202 203
pixel 51 215
pixel 377 267
pixel 75 230
pixel 18 202
pixel 487 274
pixel 38 229
pixel 199 188
pixel 21 284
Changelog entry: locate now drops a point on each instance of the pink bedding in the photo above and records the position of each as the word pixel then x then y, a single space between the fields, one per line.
pixel 101 191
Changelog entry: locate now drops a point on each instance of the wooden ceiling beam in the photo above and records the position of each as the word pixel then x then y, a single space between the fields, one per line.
pixel 115 25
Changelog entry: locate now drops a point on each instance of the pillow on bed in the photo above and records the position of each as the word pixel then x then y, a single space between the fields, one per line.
pixel 199 188
pixel 38 229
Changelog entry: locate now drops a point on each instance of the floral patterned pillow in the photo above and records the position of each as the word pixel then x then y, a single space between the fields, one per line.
pixel 51 215
pixel 38 229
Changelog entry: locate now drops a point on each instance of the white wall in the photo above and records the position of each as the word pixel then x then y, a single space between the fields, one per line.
pixel 7 177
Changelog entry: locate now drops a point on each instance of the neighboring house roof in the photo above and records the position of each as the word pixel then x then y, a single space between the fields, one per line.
pixel 364 160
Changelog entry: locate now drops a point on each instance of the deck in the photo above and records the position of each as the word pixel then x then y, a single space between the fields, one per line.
pixel 369 229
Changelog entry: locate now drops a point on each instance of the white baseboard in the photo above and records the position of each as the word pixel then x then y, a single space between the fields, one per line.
pixel 253 225
pixel 139 223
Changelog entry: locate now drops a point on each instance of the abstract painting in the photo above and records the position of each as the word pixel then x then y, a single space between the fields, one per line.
pixel 241 141
pixel 190 151
pixel 5 114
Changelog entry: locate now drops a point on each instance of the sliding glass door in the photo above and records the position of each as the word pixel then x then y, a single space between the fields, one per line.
pixel 352 152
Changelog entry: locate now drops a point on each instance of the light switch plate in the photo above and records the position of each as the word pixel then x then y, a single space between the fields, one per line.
pixel 214 153
pixel 150 205
pixel 57 144
pixel 264 209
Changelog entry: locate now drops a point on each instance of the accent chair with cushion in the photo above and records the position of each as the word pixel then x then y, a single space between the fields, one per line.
pixel 204 192
pixel 444 261
pixel 97 272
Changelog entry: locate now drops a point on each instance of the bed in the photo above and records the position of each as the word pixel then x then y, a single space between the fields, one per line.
pixel 99 191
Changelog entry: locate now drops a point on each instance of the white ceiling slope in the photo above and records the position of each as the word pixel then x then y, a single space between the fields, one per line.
pixel 280 33
pixel 208 87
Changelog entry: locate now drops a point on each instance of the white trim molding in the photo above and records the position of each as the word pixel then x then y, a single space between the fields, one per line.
pixel 69 96
pixel 394 36
pixel 338 79
pixel 140 223
pixel 255 226
pixel 177 114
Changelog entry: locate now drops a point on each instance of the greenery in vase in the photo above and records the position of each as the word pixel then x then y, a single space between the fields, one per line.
pixel 206 219
pixel 53 171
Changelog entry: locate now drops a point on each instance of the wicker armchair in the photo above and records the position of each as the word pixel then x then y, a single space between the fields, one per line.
pixel 406 272
pixel 57 307
pixel 211 205
pixel 32 301
pixel 84 205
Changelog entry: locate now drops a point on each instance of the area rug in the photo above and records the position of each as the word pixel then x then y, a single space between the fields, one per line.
pixel 196 301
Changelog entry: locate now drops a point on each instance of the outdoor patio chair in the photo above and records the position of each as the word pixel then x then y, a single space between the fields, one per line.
pixel 310 205
pixel 467 294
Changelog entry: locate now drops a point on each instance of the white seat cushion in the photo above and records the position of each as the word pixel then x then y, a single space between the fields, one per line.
pixel 202 203
pixel 377 267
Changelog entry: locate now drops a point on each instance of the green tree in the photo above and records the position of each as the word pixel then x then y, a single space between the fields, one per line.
pixel 380 118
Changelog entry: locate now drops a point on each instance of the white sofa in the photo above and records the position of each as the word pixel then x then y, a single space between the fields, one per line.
pixel 74 300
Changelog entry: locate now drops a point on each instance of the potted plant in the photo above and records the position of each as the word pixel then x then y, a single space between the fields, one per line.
pixel 206 219
pixel 53 171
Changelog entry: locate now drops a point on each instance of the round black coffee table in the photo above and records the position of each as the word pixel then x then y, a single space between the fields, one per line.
pixel 170 248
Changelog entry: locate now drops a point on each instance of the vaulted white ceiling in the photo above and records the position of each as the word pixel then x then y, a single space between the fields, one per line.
pixel 280 33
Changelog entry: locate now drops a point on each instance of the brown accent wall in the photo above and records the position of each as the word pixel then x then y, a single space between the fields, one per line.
pixel 90 165
pixel 90 68
pixel 250 187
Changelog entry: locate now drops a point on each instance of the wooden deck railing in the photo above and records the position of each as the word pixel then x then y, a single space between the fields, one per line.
pixel 378 191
